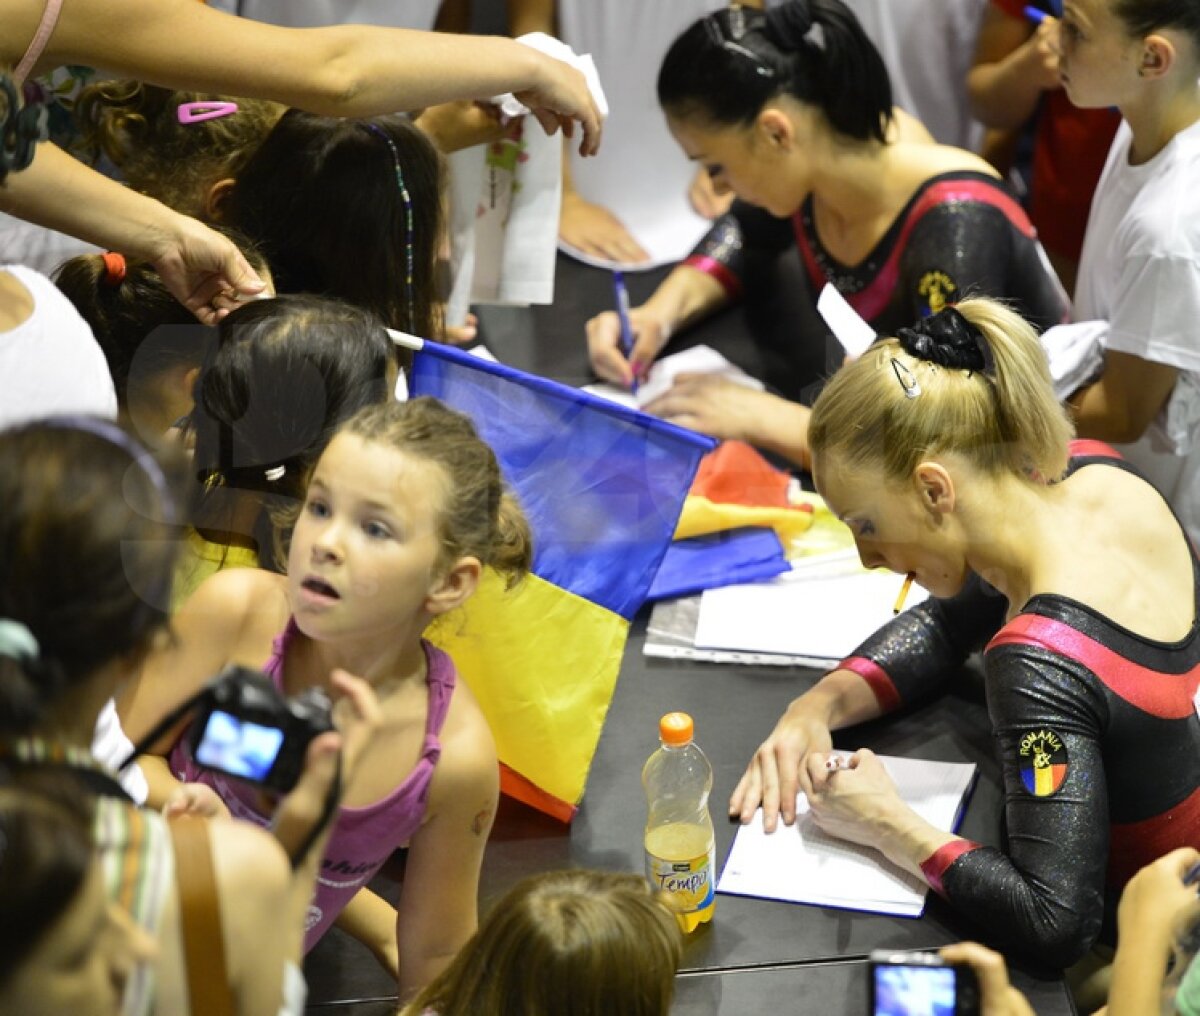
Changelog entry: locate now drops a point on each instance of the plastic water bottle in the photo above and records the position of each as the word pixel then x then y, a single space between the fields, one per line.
pixel 679 831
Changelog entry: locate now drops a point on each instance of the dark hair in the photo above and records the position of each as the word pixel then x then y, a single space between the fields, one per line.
pixel 86 558
pixel 283 375
pixel 137 127
pixel 142 328
pixel 45 856
pixel 322 197
pixel 478 516
pixel 587 943
pixel 22 127
pixel 729 64
pixel 1142 17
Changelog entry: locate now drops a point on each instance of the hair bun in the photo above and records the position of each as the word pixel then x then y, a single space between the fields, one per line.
pixel 949 340
pixel 788 24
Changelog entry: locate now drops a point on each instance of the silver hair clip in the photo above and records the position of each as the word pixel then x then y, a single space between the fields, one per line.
pixel 908 380
pixel 17 641
pixel 737 28
pixel 275 473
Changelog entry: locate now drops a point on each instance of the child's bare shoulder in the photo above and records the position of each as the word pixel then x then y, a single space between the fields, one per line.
pixel 249 602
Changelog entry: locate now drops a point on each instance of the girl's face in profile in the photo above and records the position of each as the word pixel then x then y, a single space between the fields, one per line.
pixel 366 551
pixel 1098 60
pixel 83 961
pixel 742 160
pixel 891 526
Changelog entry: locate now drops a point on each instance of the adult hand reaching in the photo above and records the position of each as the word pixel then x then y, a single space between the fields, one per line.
pixel 561 98
pixel 204 270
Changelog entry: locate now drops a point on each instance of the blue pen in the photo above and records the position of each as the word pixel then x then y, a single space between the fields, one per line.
pixel 622 295
pixel 1193 875
pixel 1035 15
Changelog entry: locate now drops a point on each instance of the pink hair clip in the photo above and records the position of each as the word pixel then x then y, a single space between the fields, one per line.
pixel 197 112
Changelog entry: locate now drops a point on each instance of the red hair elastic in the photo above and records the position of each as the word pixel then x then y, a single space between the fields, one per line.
pixel 114 268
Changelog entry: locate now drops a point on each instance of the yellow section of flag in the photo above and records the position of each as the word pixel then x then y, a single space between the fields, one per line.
pixel 543 664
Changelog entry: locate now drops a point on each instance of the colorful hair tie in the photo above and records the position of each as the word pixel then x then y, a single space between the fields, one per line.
pixel 114 268
pixel 408 222
pixel 198 112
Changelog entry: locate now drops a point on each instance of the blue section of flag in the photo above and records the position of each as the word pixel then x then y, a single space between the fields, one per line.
pixel 720 559
pixel 602 485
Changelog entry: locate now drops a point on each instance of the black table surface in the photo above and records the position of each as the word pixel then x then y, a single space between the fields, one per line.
pixel 757 956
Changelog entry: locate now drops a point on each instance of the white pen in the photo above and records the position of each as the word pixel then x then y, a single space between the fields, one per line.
pixel 836 762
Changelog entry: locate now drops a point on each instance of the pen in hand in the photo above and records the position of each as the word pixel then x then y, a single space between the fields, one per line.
pixel 622 295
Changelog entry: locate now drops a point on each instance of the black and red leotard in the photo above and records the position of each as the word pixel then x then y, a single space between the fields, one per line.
pixel 960 234
pixel 1099 742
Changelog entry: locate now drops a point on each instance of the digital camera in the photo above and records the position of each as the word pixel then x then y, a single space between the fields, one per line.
pixel 248 730
pixel 921 984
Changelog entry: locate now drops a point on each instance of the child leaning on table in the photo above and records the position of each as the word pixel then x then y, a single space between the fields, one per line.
pixel 564 943
pixel 404 509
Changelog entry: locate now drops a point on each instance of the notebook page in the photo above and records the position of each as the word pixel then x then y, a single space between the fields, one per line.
pixel 802 864
pixel 825 616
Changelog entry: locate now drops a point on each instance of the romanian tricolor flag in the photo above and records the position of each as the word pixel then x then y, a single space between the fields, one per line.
pixel 602 487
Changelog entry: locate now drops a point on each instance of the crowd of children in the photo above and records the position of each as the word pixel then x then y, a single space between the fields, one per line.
pixel 208 462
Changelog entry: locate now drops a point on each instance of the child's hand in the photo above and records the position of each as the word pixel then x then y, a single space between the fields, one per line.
pixel 997 996
pixel 331 759
pixel 195 799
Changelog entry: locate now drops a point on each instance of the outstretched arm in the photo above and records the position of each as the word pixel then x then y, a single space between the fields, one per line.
pixel 345 70
pixel 203 269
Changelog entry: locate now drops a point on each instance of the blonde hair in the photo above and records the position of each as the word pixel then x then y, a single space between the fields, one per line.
pixel 137 126
pixel 1003 419
pixel 566 943
pixel 478 516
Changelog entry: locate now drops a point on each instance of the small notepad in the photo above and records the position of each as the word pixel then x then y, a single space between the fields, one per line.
pixel 801 864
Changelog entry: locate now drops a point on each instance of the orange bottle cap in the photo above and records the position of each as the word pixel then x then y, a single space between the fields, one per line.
pixel 675 728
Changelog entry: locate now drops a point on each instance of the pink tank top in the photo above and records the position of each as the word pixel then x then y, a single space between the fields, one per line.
pixel 362 838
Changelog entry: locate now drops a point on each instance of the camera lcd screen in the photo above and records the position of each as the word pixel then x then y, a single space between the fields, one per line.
pixel 915 991
pixel 238 747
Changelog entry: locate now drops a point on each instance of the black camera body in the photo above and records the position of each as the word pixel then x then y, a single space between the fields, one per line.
pixel 908 983
pixel 248 730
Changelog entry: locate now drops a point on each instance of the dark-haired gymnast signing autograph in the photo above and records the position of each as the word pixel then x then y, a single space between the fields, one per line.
pixel 791 110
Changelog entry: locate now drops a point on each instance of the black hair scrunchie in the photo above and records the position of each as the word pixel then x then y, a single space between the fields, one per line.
pixel 22 129
pixel 949 340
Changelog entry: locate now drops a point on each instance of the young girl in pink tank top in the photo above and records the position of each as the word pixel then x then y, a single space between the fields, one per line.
pixel 403 511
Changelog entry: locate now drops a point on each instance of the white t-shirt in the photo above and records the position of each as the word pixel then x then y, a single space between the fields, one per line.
pixel 1140 272
pixel 51 363
pixel 419 14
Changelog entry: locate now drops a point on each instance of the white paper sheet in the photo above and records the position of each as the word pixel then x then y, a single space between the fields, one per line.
pixel 848 328
pixel 799 614
pixel 802 864
pixel 696 360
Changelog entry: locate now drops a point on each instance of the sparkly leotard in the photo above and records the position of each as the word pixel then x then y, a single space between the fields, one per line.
pixel 1099 742
pixel 960 234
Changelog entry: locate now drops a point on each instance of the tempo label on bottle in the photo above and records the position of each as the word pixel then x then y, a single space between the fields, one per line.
pixel 689 884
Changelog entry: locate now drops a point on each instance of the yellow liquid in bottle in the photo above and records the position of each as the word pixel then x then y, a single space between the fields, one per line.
pixel 680 864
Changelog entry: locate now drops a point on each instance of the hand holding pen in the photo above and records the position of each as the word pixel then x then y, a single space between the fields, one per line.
pixel 622 297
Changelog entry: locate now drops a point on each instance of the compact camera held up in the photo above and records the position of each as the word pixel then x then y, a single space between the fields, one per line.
pixel 246 729
pixel 921 984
